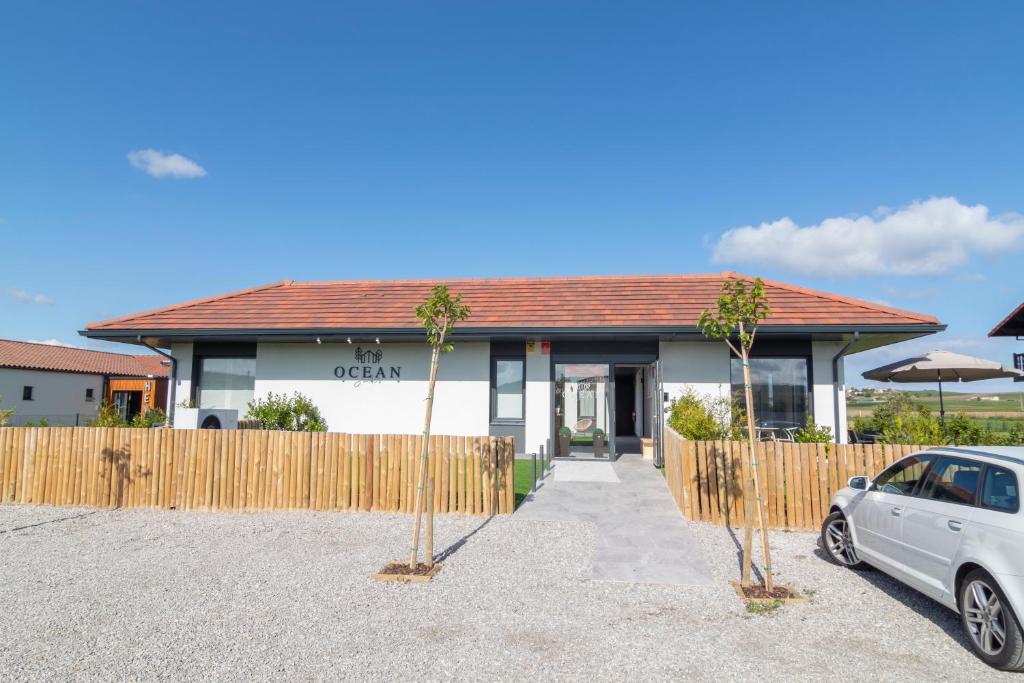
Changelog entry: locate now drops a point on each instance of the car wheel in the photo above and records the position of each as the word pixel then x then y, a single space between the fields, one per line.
pixel 990 624
pixel 838 542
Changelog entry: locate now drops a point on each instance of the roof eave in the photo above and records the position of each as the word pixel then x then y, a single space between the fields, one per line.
pixel 910 330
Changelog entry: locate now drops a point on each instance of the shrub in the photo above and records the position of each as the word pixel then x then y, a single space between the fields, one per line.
pixel 106 416
pixel 706 418
pixel 901 419
pixel 291 414
pixel 154 417
pixel 43 422
pixel 813 433
pixel 5 414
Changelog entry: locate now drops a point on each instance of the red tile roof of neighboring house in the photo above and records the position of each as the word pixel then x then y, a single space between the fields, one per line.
pixel 538 303
pixel 32 356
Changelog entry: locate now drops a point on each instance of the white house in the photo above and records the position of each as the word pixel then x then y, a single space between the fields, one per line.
pixel 536 355
pixel 65 386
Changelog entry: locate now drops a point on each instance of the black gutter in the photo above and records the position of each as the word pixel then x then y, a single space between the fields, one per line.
pixel 172 380
pixel 835 379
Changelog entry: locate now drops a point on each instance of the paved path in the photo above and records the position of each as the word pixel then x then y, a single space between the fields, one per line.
pixel 640 533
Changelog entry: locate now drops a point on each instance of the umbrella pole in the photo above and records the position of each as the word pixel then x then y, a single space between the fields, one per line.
pixel 942 407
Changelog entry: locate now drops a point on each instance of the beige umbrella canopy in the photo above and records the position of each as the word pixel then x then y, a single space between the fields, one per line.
pixel 939 366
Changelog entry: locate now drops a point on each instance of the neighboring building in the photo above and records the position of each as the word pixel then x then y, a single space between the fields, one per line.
pixel 1012 326
pixel 536 354
pixel 65 386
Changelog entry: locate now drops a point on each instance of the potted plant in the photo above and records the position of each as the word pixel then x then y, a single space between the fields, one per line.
pixel 598 443
pixel 564 441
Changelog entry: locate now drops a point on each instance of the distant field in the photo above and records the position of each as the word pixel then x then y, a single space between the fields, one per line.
pixel 1011 404
pixel 1007 409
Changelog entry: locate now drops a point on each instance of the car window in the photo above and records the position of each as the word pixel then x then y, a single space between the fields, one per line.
pixel 902 477
pixel 953 480
pixel 999 490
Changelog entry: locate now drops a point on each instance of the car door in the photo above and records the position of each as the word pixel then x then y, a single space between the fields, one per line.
pixel 878 515
pixel 936 520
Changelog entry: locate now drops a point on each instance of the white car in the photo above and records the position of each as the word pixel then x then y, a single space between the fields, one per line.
pixel 948 523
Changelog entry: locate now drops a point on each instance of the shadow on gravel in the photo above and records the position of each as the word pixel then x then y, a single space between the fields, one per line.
pixel 51 521
pixel 937 613
pixel 739 556
pixel 454 547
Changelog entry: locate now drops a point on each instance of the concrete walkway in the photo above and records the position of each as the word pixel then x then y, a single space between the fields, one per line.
pixel 640 533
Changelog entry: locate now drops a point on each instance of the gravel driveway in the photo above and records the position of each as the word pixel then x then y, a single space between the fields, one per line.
pixel 89 594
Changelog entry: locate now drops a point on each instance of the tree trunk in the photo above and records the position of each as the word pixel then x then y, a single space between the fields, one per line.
pixel 756 485
pixel 748 493
pixel 423 455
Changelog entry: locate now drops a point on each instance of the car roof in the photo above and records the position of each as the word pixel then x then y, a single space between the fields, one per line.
pixel 1014 454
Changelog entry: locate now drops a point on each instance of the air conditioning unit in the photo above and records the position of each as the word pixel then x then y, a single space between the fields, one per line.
pixel 206 418
pixel 218 418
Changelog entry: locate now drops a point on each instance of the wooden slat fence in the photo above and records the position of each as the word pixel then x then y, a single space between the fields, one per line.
pixel 189 469
pixel 798 479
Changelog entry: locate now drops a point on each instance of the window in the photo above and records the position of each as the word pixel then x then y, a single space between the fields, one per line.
pixel 999 491
pixel 507 388
pixel 953 481
pixel 586 399
pixel 902 477
pixel 780 389
pixel 26 393
pixel 88 394
pixel 227 383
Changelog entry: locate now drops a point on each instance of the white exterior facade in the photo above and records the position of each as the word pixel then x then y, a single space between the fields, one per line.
pixel 58 397
pixel 369 388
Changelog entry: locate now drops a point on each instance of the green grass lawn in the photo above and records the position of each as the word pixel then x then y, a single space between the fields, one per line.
pixel 523 483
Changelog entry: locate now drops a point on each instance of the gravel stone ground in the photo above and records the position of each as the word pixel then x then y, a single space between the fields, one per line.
pixel 149 595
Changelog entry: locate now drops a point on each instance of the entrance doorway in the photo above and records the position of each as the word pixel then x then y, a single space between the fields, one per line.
pixel 625 401
pixel 582 395
pixel 128 404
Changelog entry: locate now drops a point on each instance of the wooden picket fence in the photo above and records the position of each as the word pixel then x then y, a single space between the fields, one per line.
pixel 798 479
pixel 189 469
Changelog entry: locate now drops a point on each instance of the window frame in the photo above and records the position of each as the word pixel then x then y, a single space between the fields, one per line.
pixel 919 491
pixel 494 390
pixel 90 394
pixel 771 354
pixel 28 392
pixel 930 461
pixel 200 352
pixel 981 488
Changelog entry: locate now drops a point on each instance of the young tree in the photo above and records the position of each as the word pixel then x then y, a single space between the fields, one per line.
pixel 739 311
pixel 438 314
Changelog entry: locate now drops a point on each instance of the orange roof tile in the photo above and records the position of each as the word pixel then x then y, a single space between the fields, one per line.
pixel 537 303
pixel 32 356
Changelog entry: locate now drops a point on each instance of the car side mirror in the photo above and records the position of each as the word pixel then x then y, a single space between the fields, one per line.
pixel 858 483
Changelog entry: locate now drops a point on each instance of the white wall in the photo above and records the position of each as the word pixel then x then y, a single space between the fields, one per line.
pixel 461 399
pixel 824 391
pixel 183 387
pixel 698 365
pixel 57 396
pixel 539 397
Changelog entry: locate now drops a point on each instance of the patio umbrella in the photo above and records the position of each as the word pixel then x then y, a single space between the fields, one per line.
pixel 936 366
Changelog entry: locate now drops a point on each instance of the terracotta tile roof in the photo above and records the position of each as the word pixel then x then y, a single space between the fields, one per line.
pixel 31 356
pixel 538 303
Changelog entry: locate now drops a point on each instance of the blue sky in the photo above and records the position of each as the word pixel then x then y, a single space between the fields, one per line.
pixel 442 139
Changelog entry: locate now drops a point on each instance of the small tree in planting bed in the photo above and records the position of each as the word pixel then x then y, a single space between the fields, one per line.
pixel 739 311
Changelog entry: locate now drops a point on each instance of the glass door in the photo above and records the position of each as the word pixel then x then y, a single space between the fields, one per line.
pixel 581 410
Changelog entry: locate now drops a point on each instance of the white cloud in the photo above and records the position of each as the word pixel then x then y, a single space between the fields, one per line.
pixel 160 165
pixel 52 342
pixel 924 238
pixel 23 297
